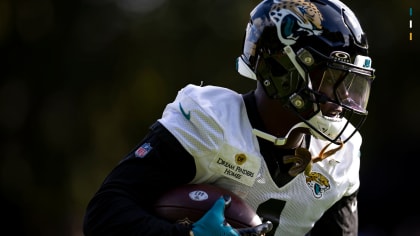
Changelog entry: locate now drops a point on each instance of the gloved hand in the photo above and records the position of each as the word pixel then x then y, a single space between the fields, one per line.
pixel 213 223
pixel 258 230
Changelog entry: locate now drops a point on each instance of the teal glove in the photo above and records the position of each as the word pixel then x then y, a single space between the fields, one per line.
pixel 213 223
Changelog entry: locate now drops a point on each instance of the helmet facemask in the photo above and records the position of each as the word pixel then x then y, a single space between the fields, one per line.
pixel 334 81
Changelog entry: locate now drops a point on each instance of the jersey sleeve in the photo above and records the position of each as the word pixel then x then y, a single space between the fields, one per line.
pixel 211 123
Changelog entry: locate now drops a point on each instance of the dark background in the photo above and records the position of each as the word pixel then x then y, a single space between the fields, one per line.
pixel 81 81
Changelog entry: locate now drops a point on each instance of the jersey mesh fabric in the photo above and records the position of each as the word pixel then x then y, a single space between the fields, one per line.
pixel 213 124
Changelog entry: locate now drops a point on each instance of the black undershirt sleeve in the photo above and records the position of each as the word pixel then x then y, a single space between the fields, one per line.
pixel 340 220
pixel 123 205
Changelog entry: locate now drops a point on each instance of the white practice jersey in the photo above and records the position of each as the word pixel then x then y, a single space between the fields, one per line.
pixel 212 125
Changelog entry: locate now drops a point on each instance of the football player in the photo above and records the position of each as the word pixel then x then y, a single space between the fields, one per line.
pixel 290 148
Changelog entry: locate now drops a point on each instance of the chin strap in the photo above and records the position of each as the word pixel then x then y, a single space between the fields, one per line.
pixel 275 140
pixel 292 140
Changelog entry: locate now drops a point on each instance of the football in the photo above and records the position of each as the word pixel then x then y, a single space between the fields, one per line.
pixel 188 203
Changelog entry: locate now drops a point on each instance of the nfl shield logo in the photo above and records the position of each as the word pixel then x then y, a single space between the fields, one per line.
pixel 143 150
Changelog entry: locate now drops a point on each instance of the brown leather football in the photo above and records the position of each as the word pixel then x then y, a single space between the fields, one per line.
pixel 190 202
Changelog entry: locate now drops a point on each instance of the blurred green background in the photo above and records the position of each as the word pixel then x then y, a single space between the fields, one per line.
pixel 81 81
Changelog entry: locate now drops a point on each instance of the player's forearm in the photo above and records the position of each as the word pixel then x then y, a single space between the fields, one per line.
pixel 123 204
pixel 109 214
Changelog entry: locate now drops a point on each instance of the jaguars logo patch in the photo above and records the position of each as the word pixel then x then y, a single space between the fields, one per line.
pixel 318 183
